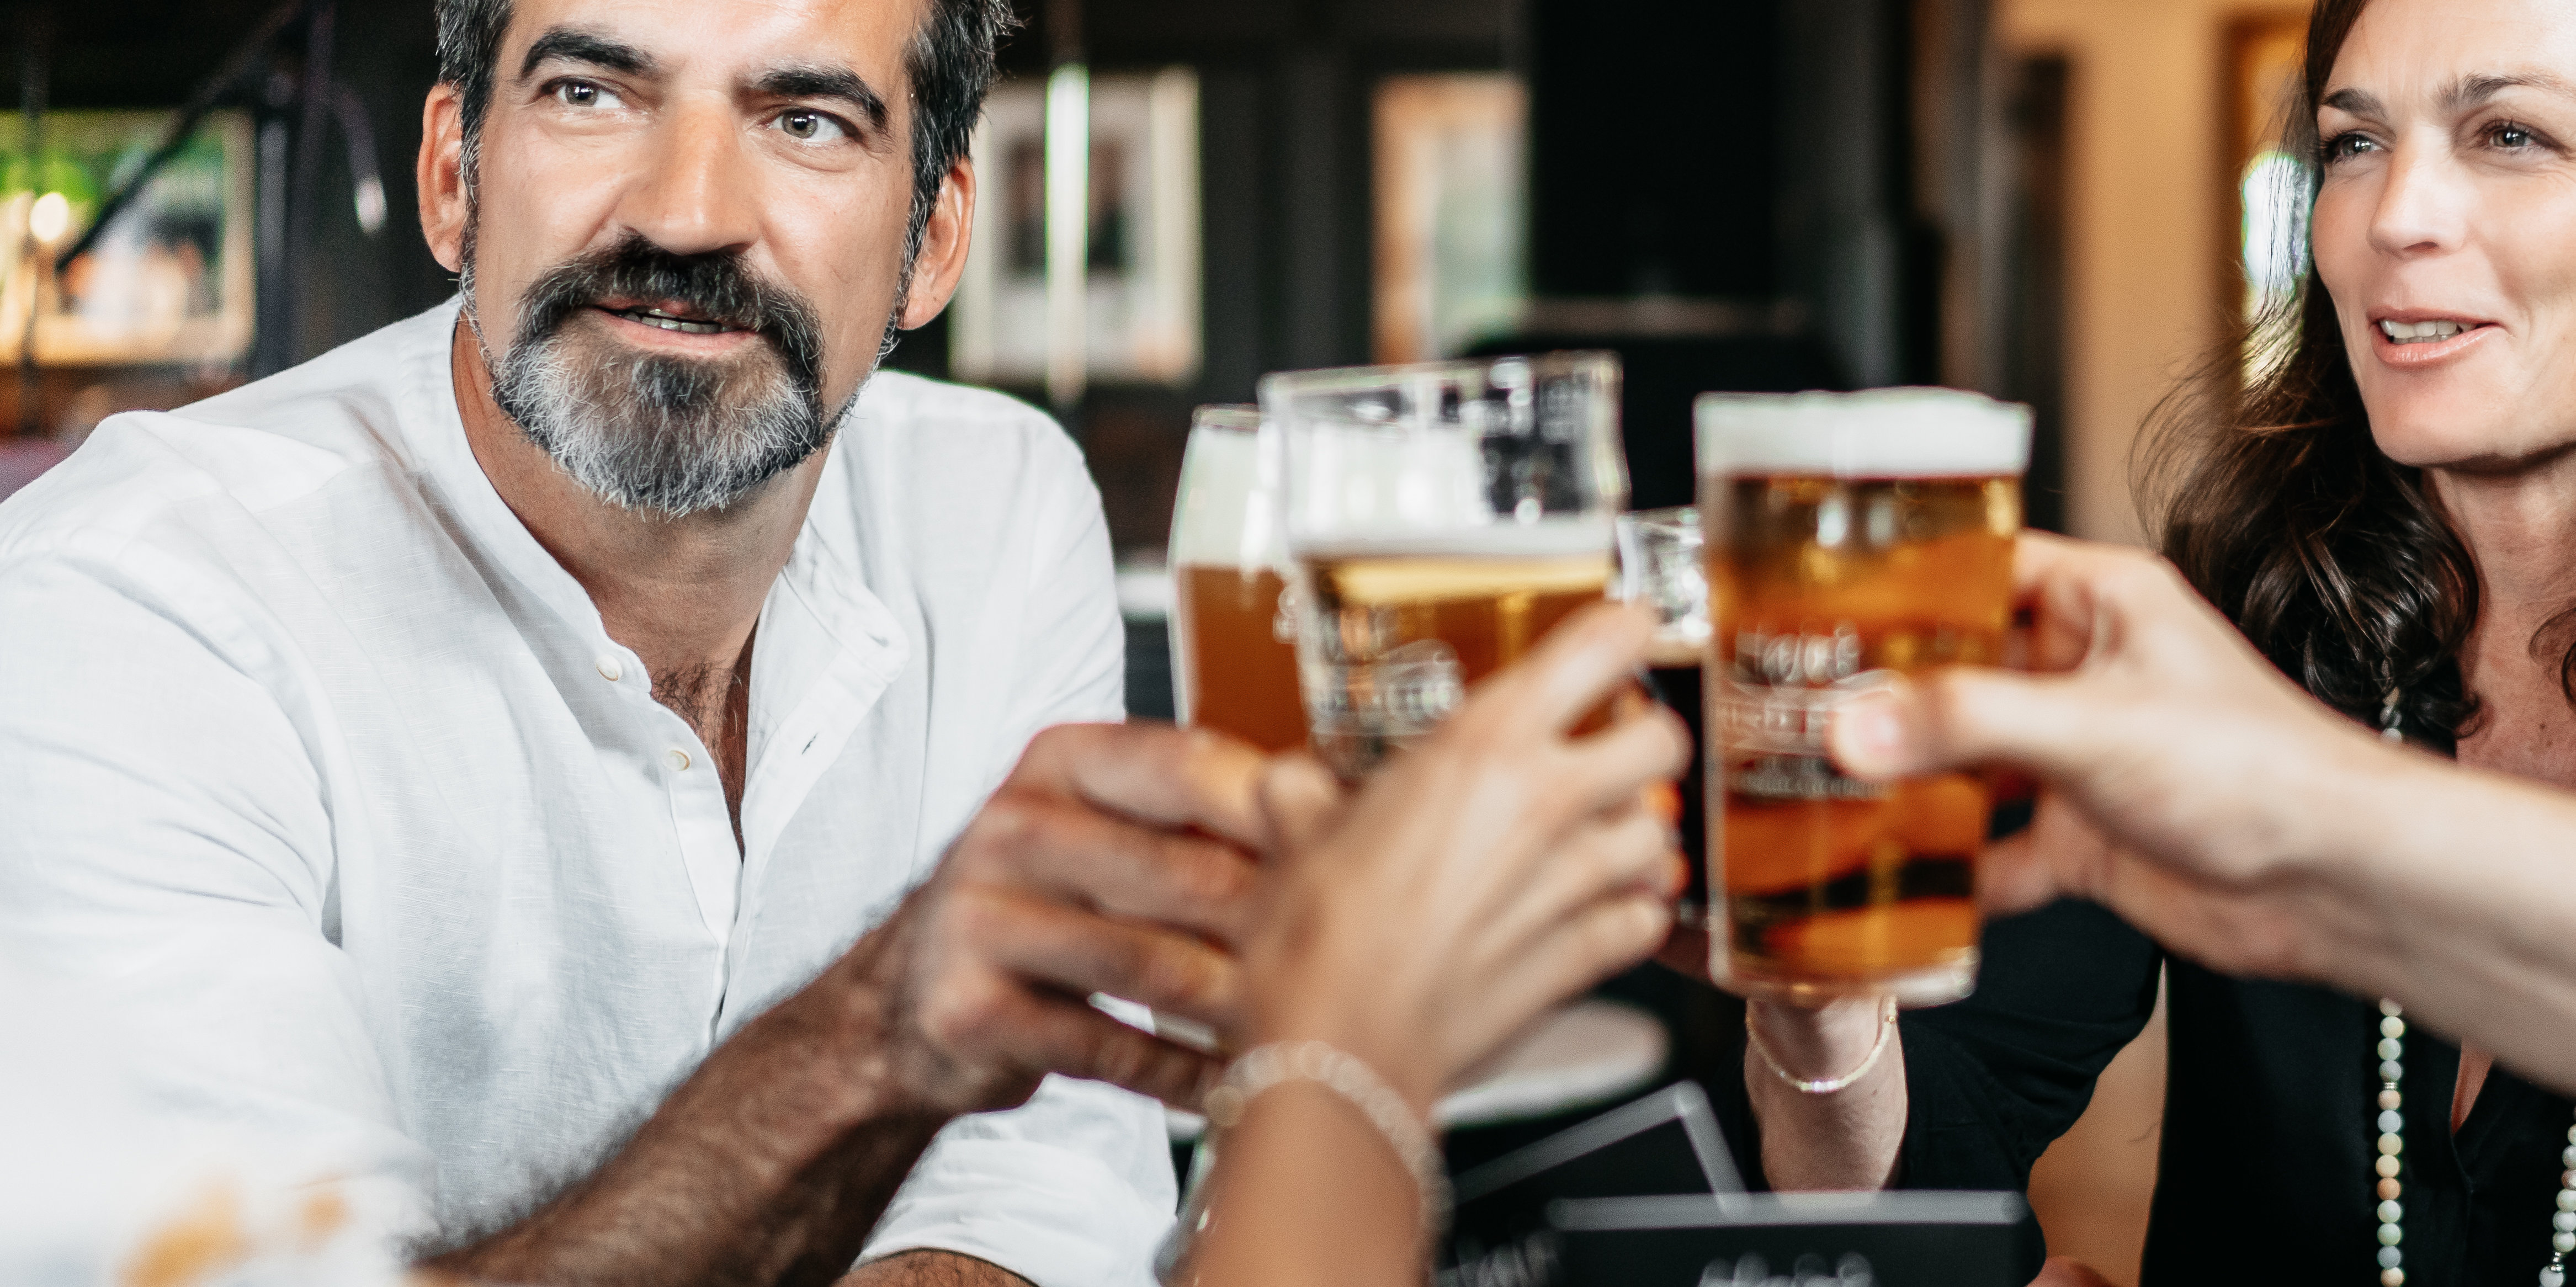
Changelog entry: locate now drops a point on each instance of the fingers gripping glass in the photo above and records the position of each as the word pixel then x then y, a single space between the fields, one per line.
pixel 1850 538
pixel 1440 519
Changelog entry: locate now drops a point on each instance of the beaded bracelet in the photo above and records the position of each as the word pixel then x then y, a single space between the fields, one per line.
pixel 1265 1067
pixel 1276 1064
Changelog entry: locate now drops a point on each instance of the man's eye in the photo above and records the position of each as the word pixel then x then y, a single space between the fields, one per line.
pixel 810 127
pixel 2344 147
pixel 582 93
pixel 2511 136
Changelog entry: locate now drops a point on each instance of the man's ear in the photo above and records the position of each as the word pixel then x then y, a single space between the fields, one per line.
pixel 441 177
pixel 945 239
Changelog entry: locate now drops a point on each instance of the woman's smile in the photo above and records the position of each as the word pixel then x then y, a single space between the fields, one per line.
pixel 2415 340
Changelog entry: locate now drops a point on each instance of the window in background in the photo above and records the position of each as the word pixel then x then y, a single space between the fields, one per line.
pixel 1452 225
pixel 2268 58
pixel 1139 254
pixel 169 283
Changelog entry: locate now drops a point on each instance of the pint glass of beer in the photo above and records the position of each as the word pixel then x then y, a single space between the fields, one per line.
pixel 1234 653
pixel 1440 517
pixel 1851 537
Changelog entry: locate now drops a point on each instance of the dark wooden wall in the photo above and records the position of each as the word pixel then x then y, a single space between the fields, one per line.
pixel 1284 92
pixel 1747 151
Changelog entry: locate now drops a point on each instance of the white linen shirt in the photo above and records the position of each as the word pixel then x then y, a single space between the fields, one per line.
pixel 312 755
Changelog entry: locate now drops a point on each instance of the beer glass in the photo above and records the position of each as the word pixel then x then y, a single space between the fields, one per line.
pixel 1234 656
pixel 1661 569
pixel 1441 517
pixel 1851 537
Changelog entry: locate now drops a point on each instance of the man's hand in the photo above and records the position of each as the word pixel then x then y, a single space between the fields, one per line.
pixel 1111 861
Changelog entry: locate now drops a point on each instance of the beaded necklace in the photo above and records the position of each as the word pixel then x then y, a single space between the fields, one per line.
pixel 2392 1128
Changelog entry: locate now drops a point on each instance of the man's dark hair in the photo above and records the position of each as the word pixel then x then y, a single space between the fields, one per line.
pixel 950 65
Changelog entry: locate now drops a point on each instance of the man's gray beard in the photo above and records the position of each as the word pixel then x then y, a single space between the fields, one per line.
pixel 658 434
pixel 654 434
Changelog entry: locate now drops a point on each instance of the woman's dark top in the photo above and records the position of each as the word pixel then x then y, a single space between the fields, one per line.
pixel 2265 1172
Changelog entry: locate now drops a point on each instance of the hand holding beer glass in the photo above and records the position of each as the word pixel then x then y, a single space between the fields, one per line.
pixel 1234 656
pixel 1850 537
pixel 1441 518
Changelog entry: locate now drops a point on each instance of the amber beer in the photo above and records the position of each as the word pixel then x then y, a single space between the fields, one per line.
pixel 1240 664
pixel 1850 538
pixel 1400 633
pixel 1442 517
pixel 1234 644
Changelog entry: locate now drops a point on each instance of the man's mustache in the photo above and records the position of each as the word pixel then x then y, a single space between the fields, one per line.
pixel 716 287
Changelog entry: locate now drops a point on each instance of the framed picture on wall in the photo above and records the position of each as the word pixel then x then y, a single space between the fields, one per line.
pixel 1451 229
pixel 170 282
pixel 1140 256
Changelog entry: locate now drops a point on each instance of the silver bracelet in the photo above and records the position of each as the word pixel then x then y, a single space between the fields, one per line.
pixel 1266 1067
pixel 1825 1085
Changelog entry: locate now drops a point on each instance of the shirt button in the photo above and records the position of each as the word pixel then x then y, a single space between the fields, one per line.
pixel 678 759
pixel 609 669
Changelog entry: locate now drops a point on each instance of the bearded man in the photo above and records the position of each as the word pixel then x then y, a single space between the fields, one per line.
pixel 550 762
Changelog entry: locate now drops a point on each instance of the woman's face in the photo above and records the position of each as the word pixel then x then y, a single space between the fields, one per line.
pixel 2446 226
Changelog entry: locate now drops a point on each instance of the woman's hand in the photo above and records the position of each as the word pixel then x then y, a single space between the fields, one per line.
pixel 2182 772
pixel 1478 879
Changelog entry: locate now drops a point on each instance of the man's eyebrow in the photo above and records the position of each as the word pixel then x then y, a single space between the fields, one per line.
pixel 574 45
pixel 826 82
pixel 2356 101
pixel 2474 90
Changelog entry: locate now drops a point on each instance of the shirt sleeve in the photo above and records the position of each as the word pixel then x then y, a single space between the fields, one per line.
pixel 1072 1189
pixel 1993 1080
pixel 1076 1187
pixel 168 851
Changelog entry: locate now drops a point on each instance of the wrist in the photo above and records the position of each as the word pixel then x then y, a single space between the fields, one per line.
pixel 2314 795
pixel 1306 1000
pixel 2378 861
pixel 847 1027
pixel 1817 1043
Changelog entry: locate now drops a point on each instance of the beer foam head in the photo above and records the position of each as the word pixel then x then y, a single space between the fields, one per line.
pixel 1883 433
pixel 1227 513
pixel 1579 536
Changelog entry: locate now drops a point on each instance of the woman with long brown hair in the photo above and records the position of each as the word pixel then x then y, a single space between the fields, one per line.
pixel 2385 503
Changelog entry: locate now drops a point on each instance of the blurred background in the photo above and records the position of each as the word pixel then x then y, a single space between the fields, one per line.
pixel 2045 200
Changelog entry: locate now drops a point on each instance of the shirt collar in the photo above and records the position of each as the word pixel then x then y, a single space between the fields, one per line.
pixel 827 646
pixel 435 427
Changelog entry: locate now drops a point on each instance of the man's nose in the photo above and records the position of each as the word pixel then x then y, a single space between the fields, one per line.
pixel 694 196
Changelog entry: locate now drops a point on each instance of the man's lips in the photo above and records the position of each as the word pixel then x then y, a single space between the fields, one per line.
pixel 667 316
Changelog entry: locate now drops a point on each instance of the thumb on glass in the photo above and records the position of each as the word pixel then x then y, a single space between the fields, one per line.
pixel 1958 719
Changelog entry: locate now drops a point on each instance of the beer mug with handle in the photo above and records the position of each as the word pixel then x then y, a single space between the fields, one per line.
pixel 1441 517
pixel 1850 537
pixel 1234 655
